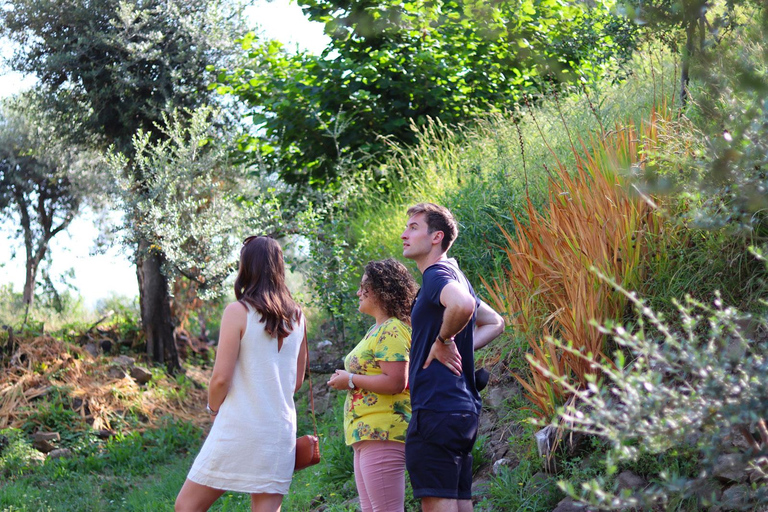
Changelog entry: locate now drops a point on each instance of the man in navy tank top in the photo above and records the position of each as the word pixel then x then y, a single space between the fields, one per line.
pixel 449 324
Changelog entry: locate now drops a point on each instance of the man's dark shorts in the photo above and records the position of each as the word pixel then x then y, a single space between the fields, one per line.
pixel 438 453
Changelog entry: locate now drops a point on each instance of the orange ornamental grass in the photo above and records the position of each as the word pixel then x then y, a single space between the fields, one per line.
pixel 592 220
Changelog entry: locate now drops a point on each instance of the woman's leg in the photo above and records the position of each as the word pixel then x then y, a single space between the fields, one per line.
pixel 365 501
pixel 382 465
pixel 194 497
pixel 266 502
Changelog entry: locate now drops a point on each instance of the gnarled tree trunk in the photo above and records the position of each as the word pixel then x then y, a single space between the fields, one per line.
pixel 38 206
pixel 155 303
pixel 32 264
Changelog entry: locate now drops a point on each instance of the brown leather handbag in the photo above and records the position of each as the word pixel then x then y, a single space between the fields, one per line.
pixel 308 447
pixel 307 452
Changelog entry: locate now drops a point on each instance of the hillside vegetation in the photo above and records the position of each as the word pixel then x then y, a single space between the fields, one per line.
pixel 632 372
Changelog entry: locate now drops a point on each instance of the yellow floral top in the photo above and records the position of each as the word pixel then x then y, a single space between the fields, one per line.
pixel 370 416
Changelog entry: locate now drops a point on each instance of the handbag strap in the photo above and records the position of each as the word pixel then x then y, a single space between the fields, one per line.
pixel 309 377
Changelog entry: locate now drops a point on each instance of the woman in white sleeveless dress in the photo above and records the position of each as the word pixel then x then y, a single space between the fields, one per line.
pixel 260 363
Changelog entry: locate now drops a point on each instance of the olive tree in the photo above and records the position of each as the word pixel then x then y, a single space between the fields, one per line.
pixel 44 180
pixel 199 204
pixel 119 65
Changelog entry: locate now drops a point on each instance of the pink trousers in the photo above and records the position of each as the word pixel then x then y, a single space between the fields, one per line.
pixel 380 475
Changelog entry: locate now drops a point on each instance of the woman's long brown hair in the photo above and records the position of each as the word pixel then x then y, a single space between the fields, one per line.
pixel 260 283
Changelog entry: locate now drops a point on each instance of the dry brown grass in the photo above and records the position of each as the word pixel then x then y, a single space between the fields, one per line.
pixel 40 364
pixel 592 220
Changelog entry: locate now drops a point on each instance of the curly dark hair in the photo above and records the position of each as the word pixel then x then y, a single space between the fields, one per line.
pixel 392 286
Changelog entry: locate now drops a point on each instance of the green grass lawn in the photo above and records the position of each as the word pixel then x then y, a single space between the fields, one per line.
pixel 134 472
pixel 144 472
pixel 136 480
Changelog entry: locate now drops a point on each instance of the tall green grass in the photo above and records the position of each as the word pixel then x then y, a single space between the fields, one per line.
pixel 484 170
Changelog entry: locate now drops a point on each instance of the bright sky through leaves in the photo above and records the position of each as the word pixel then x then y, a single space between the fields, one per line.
pixel 98 276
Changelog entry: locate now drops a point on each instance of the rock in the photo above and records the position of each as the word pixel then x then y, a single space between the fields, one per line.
pixel 736 498
pixel 91 349
pixel 141 375
pixel 43 441
pixel 124 361
pixel 324 399
pixel 105 433
pixel 326 357
pixel 706 492
pixel 736 438
pixel 116 372
pixel 496 396
pixel 480 486
pixel 569 505
pixel 692 437
pixel 501 463
pixel 60 453
pixel 730 467
pixel 736 350
pixel 46 436
pixel 36 458
pixel 498 448
pixel 631 481
pixel 758 470
pixel 486 423
pixel 317 366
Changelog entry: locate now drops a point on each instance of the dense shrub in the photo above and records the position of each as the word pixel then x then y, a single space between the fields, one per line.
pixel 686 382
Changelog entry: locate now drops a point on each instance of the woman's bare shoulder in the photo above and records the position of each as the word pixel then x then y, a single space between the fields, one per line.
pixel 236 308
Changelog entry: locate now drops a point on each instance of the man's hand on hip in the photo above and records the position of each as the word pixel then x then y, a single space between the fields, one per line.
pixel 446 354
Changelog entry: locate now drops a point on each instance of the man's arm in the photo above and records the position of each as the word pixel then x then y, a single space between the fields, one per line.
pixel 488 325
pixel 459 307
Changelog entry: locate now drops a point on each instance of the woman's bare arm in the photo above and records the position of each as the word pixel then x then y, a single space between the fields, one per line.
pixel 233 324
pixel 392 380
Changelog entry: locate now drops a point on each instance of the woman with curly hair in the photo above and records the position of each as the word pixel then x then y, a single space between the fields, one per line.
pixel 378 405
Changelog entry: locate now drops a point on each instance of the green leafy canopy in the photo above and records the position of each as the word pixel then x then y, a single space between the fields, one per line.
pixel 392 66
